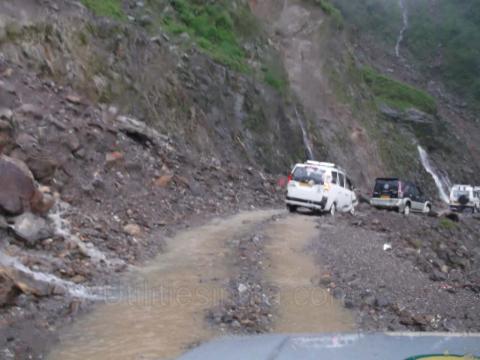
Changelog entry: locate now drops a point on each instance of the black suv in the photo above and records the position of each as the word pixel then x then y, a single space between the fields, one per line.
pixel 404 196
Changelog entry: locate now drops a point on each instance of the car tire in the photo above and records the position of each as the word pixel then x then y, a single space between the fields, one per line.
pixel 428 209
pixel 406 210
pixel 291 208
pixel 333 209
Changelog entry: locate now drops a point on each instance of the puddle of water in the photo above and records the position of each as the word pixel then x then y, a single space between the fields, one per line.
pixel 303 307
pixel 162 308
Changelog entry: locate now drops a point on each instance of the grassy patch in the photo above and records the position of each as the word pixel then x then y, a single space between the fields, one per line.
pixel 214 27
pixel 447 224
pixel 109 8
pixel 276 78
pixel 275 81
pixel 398 94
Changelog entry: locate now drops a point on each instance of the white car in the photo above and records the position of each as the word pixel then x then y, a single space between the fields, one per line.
pixel 465 197
pixel 321 187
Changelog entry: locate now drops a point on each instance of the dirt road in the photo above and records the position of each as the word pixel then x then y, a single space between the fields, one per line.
pixel 162 309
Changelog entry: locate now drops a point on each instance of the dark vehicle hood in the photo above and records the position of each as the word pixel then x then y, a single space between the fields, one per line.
pixel 388 346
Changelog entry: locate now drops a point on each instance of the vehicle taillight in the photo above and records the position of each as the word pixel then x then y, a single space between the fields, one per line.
pixel 290 177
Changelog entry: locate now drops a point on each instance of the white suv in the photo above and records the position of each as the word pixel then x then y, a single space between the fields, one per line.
pixel 320 186
pixel 465 197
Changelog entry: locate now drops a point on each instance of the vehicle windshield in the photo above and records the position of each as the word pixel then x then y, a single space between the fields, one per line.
pixel 386 185
pixel 309 173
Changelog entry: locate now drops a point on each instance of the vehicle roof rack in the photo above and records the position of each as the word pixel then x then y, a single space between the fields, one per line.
pixel 320 163
pixel 325 164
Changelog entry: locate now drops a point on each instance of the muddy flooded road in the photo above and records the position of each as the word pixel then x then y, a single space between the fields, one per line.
pixel 302 305
pixel 160 311
pixel 162 308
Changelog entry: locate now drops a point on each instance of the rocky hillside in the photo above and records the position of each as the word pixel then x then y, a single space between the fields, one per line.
pixel 123 120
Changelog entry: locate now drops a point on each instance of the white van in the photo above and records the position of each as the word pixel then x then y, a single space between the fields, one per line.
pixel 320 186
pixel 465 197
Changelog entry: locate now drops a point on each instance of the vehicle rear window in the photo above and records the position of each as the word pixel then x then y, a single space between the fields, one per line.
pixel 385 186
pixel 309 173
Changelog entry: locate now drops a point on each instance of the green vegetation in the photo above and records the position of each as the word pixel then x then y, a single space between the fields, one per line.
pixel 447 224
pixel 443 37
pixel 275 80
pixel 214 27
pixel 109 8
pixel 397 94
pixel 448 43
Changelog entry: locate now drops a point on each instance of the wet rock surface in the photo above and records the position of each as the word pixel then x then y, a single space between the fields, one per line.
pixel 426 280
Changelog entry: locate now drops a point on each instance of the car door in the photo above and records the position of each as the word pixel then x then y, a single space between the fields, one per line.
pixel 351 197
pixel 335 193
pixel 417 199
pixel 342 203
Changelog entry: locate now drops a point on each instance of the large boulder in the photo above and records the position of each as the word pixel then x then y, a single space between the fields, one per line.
pixel 16 186
pixel 18 192
pixel 31 228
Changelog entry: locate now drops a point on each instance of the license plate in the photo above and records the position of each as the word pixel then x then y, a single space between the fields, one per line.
pixel 385 197
pixel 305 184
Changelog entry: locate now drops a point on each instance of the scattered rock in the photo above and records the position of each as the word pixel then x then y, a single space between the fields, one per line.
pixel 133 230
pixel 41 203
pixel 16 186
pixel 31 228
pixel 7 289
pixel 73 142
pixel 25 282
pixel 5 114
pixel 114 157
pixel 242 288
pixel 78 279
pixel 43 168
pixel 74 99
pixel 163 181
pixel 32 110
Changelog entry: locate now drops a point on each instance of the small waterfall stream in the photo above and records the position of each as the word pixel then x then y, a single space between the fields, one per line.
pixel 442 183
pixel 62 228
pixel 306 141
pixel 70 287
pixel 404 9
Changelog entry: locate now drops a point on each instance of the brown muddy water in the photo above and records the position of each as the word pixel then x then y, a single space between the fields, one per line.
pixel 162 307
pixel 302 306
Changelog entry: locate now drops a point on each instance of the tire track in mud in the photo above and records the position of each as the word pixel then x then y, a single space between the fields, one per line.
pixel 275 283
